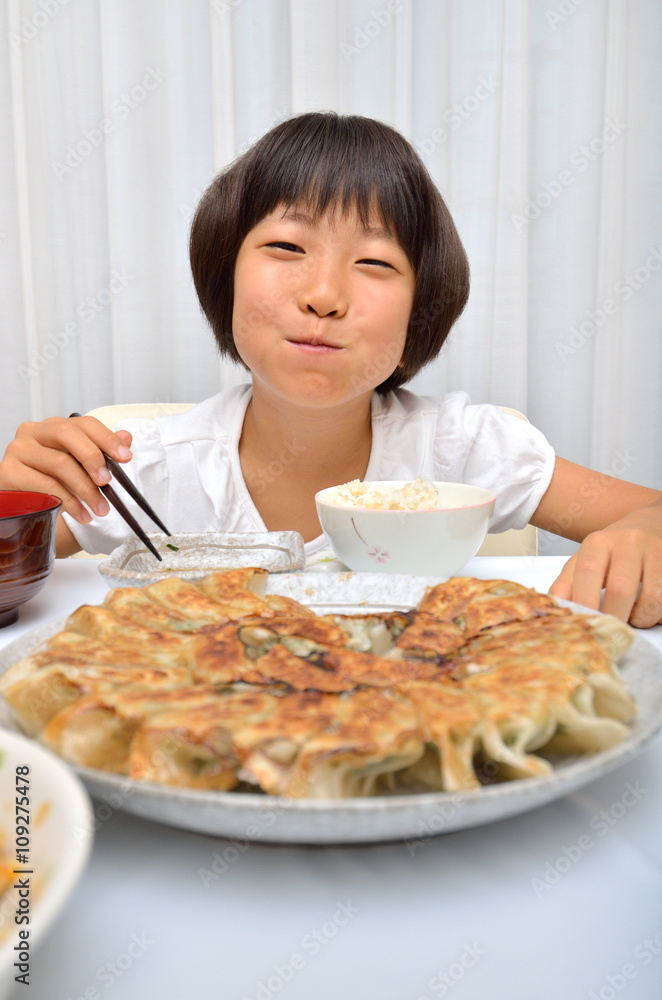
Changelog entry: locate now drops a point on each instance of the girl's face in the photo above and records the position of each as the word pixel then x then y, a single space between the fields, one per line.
pixel 321 307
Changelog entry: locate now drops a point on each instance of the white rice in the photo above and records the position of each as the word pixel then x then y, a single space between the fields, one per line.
pixel 419 495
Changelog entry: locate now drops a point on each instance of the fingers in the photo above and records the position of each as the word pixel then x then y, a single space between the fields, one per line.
pixel 647 610
pixel 38 482
pixel 83 437
pixel 47 470
pixel 628 565
pixel 588 568
pixel 126 437
pixel 633 588
pixel 65 457
pixel 621 587
pixel 562 586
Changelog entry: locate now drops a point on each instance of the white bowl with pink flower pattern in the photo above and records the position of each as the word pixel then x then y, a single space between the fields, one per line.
pixel 435 541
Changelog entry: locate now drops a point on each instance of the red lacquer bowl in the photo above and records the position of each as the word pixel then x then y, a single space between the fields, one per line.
pixel 27 547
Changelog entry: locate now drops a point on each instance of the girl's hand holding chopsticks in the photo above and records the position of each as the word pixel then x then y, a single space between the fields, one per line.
pixel 65 457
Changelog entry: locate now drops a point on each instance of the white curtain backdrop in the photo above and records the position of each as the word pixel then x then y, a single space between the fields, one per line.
pixel 540 122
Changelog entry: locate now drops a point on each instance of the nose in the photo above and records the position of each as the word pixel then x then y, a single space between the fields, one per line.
pixel 323 291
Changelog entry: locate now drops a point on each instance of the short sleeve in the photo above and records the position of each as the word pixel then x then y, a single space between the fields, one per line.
pixel 484 446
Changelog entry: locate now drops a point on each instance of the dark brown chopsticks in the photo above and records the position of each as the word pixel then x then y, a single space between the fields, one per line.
pixel 120 475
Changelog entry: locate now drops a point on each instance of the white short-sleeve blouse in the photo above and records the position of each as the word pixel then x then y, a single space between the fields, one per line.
pixel 187 465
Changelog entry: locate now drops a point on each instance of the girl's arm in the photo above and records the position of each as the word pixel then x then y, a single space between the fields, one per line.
pixel 620 527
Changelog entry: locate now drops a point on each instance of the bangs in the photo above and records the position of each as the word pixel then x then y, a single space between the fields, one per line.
pixel 337 164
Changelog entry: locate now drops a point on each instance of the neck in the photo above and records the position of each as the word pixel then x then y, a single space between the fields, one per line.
pixel 314 440
pixel 289 453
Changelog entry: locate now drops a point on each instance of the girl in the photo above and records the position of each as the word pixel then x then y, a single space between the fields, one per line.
pixel 328 265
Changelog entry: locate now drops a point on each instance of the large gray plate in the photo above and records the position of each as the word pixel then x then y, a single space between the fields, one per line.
pixel 246 817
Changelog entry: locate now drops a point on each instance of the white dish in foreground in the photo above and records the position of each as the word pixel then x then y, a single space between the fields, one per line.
pixel 246 817
pixel 61 834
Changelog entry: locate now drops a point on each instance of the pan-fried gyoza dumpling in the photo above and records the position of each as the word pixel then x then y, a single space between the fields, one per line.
pixel 474 605
pixel 279 667
pixel 330 746
pixel 286 607
pixel 242 589
pixel 36 693
pixel 101 623
pixel 201 608
pixel 144 608
pixel 374 733
pixel 450 722
pixel 118 648
pixel 97 729
pixel 523 708
pixel 193 747
pixel 428 638
pixel 569 644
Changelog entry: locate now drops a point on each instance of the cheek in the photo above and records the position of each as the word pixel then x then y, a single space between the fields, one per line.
pixel 398 322
pixel 386 347
pixel 241 325
pixel 255 304
pixel 260 292
pixel 390 317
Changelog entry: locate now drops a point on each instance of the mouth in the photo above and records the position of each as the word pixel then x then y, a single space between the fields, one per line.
pixel 314 346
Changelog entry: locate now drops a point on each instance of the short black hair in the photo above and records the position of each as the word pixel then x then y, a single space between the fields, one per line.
pixel 325 160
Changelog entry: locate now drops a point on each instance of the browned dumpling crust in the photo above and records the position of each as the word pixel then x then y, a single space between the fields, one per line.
pixel 474 605
pixel 216 685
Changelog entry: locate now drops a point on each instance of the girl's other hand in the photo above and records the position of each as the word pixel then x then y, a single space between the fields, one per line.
pixel 63 456
pixel 620 558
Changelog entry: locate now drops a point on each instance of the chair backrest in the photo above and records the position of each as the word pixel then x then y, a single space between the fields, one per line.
pixel 516 542
pixel 111 415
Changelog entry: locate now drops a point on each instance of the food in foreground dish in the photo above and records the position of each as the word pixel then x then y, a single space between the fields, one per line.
pixel 217 685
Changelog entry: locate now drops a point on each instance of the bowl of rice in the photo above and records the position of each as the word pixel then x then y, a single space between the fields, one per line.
pixel 420 527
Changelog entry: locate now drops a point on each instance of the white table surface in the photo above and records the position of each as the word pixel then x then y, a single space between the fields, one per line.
pixel 461 915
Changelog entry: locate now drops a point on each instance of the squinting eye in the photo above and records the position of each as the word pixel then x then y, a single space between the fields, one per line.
pixel 285 246
pixel 379 263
